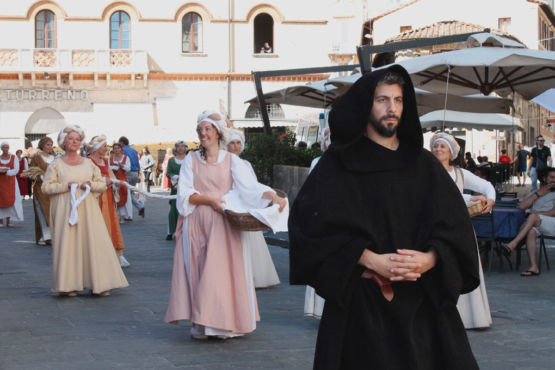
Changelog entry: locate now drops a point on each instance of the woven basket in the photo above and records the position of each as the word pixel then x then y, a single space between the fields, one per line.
pixel 475 208
pixel 245 221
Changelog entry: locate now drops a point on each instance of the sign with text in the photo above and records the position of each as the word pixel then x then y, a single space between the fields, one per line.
pixel 43 94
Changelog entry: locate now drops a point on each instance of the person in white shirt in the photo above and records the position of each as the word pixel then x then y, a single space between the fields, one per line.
pixel 10 197
pixel 540 206
pixel 474 306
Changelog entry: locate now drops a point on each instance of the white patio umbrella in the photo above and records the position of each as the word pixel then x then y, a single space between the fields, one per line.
pixel 323 93
pixel 546 100
pixel 479 121
pixel 486 38
pixel 484 69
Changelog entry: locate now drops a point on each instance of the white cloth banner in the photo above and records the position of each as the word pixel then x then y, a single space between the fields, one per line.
pixel 73 215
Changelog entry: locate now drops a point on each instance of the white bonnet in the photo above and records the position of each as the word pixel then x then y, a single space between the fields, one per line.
pixel 4 143
pixel 96 142
pixel 449 140
pixel 66 130
pixel 235 134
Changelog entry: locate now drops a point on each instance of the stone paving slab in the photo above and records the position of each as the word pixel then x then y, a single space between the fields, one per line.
pixel 38 330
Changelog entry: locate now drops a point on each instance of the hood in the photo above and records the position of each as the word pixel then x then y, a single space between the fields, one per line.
pixel 349 115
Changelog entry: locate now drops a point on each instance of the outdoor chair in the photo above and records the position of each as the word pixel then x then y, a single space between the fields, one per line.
pixel 542 249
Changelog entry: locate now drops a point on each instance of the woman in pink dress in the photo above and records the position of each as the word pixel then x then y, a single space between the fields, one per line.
pixel 212 283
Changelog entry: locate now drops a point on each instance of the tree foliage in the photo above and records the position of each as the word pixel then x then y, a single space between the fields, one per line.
pixel 264 151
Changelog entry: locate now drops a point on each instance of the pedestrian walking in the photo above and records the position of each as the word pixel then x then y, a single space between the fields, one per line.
pixel 120 166
pixel 383 235
pixel 41 202
pixel 263 269
pixel 11 208
pixel 147 162
pixel 133 174
pixel 83 256
pixel 98 149
pixel 211 282
pixel 172 177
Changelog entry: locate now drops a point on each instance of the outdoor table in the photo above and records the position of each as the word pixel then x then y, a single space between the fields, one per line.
pixel 507 222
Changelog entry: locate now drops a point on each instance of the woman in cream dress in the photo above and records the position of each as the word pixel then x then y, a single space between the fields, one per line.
pixel 263 269
pixel 83 256
pixel 474 306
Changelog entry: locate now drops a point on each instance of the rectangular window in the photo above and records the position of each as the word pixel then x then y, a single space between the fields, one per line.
pixel 503 24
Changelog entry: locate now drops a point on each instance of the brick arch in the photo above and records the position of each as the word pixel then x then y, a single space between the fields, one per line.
pixel 123 6
pixel 193 8
pixel 46 5
pixel 271 10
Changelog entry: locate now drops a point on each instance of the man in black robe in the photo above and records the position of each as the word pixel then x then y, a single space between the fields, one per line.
pixel 381 231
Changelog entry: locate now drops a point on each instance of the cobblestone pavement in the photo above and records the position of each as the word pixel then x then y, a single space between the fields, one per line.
pixel 38 330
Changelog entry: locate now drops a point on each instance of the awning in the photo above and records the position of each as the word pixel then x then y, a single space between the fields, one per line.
pixel 477 121
pixel 546 100
pixel 248 123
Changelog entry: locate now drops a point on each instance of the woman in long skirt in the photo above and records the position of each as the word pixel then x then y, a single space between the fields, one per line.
pixel 212 283
pixel 83 256
pixel 172 176
pixel 98 149
pixel 120 164
pixel 10 199
pixel 474 306
pixel 263 269
pixel 41 202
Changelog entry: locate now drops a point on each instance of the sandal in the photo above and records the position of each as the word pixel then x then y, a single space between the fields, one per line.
pixel 529 273
pixel 506 250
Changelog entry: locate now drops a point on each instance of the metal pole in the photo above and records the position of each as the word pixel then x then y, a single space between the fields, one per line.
pixel 257 77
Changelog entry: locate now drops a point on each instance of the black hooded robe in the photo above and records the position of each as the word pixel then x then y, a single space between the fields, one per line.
pixel 363 195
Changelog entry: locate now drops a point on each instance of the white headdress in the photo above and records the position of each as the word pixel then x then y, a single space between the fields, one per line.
pixel 449 140
pixel 235 134
pixel 66 130
pixel 220 127
pixel 96 142
pixel 3 143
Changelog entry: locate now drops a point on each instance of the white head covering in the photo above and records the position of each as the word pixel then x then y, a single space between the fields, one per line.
pixel 177 143
pixel 66 130
pixel 96 142
pixel 235 134
pixel 325 138
pixel 3 143
pixel 220 127
pixel 449 140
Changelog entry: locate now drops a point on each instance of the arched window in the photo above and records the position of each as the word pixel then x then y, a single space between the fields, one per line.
pixel 274 111
pixel 263 34
pixel 191 31
pixel 120 31
pixel 45 29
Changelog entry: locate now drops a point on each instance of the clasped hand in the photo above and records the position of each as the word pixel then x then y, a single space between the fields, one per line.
pixel 82 186
pixel 405 265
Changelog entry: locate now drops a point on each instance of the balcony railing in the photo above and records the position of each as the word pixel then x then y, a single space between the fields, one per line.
pixel 74 60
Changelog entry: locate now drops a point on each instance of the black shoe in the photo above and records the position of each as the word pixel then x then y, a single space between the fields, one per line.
pixel 169 237
pixel 142 212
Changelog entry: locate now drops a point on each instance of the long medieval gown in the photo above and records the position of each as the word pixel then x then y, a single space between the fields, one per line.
pixel 108 208
pixel 362 195
pixel 172 176
pixel 83 256
pixel 120 167
pixel 263 269
pixel 41 201
pixel 10 198
pixel 212 284
pixel 23 182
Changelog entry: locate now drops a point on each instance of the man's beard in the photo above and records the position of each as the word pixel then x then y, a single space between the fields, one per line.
pixel 383 129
